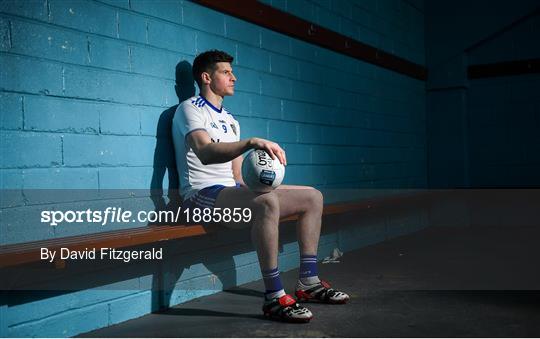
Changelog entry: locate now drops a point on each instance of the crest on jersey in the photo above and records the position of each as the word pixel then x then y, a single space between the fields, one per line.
pixel 213 125
pixel 233 127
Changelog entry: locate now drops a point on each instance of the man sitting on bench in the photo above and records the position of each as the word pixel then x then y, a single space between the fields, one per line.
pixel 209 158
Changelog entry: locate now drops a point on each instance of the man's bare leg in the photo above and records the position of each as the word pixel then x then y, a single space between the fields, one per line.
pixel 268 208
pixel 264 224
pixel 307 203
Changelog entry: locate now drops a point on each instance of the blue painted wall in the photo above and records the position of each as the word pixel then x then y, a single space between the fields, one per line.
pixel 482 133
pixel 87 94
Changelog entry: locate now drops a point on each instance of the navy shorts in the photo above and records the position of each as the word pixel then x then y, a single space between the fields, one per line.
pixel 205 198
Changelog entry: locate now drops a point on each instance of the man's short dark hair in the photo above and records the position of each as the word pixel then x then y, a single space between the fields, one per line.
pixel 206 62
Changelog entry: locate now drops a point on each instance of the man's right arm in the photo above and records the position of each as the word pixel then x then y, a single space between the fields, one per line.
pixel 210 152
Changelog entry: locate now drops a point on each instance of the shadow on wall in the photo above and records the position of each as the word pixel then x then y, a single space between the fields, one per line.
pixel 164 159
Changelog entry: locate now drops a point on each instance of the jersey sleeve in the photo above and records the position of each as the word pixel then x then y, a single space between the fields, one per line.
pixel 190 119
pixel 237 124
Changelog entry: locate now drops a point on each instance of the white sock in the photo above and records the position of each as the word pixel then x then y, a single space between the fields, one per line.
pixel 308 281
pixel 276 294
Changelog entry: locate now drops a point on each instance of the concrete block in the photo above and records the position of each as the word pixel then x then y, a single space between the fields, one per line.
pixel 119 119
pixel 193 288
pixel 242 31
pixel 266 107
pixel 348 27
pixel 27 149
pixel 310 72
pixel 125 177
pixel 275 42
pixel 143 61
pixel 282 131
pixel 319 114
pixel 108 53
pixel 310 134
pixel 303 50
pixel 89 17
pixel 44 307
pixel 323 154
pixel 368 36
pixel 154 120
pixel 34 9
pixel 113 86
pixel 12 111
pixel 327 19
pixel 68 323
pixel 5 34
pixel 48 42
pixel 248 80
pixel 163 9
pixel 308 92
pixel 90 150
pixel 60 115
pixel 203 19
pixel 361 15
pixel 23 74
pixel 246 258
pixel 10 179
pixel 278 87
pixel 295 110
pixel 60 178
pixel 253 127
pixel 132 27
pixel 241 104
pixel 117 3
pixel 253 57
pixel 19 225
pixel 207 42
pixel 3 321
pixel 172 37
pixel 297 153
pixel 131 307
pixel 302 9
pixel 284 66
pixel 288 261
pixel 326 4
pixel 11 186
pixel 298 175
pixel 248 273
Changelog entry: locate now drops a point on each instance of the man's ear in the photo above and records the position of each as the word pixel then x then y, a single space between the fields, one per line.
pixel 205 77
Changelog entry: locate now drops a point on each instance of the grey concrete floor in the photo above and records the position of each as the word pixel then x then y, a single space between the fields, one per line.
pixel 439 282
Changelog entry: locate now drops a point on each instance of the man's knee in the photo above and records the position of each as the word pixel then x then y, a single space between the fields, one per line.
pixel 267 205
pixel 315 198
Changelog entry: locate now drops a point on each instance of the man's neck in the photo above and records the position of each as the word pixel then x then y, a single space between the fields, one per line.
pixel 213 98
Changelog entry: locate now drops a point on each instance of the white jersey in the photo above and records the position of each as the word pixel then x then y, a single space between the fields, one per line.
pixel 196 113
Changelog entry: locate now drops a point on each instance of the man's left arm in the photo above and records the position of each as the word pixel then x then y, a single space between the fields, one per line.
pixel 237 170
pixel 237 162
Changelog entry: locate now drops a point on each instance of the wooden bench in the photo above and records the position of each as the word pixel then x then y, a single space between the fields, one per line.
pixel 29 252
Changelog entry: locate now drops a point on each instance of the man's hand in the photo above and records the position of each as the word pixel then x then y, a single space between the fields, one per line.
pixel 273 149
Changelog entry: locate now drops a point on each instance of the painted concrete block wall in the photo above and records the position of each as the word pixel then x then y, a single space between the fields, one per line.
pixel 395 26
pixel 88 86
pixel 504 112
pixel 460 34
pixel 83 98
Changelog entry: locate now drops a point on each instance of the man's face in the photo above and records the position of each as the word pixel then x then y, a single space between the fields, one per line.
pixel 222 79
